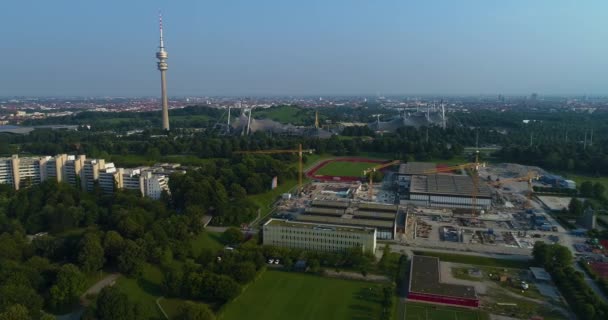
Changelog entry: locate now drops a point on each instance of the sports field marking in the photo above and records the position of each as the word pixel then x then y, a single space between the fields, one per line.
pixel 344 168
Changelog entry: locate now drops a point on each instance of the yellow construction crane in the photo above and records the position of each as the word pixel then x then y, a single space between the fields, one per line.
pixel 298 151
pixel 529 177
pixel 371 171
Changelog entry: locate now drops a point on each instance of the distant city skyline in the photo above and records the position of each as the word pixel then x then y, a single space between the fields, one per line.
pixel 276 48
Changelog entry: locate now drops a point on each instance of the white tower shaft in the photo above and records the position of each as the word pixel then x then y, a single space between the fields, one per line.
pixel 162 56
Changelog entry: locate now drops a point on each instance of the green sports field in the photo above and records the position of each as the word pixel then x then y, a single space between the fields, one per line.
pixel 345 168
pixel 278 295
pixel 421 311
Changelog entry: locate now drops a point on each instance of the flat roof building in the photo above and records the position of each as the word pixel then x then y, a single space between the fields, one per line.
pixel 425 285
pixel 447 190
pixel 540 274
pixel 330 204
pixel 385 229
pixel 318 236
pixel 378 207
pixel 360 214
pixel 324 211
pixel 380 216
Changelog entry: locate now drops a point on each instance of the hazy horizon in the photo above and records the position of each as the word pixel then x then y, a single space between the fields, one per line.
pixel 274 48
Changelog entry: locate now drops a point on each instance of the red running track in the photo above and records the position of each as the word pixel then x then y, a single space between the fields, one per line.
pixel 463 302
pixel 312 172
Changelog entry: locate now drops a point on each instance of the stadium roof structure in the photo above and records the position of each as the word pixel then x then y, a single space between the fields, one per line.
pixel 425 278
pixel 412 168
pixel 448 185
pixel 346 222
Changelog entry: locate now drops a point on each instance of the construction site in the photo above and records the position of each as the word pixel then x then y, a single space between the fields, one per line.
pixel 468 207
pixel 484 210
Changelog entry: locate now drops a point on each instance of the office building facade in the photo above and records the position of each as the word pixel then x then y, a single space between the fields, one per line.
pixel 318 237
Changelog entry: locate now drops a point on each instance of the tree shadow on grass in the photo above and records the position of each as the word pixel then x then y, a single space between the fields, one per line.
pixel 217 237
pixel 361 312
pixel 367 294
pixel 149 287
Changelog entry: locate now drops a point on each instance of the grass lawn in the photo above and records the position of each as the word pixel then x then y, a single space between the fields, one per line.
pixel 311 159
pixel 145 290
pixel 287 114
pixel 532 292
pixel 423 311
pixel 207 239
pixel 266 199
pixel 479 261
pixel 197 117
pixel 278 295
pixel 523 309
pixel 344 168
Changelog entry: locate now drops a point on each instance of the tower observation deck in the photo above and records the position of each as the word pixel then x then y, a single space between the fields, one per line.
pixel 162 56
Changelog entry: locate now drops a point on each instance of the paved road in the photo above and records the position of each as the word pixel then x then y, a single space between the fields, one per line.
pixel 216 229
pixel 108 280
pixel 94 289
pixel 483 251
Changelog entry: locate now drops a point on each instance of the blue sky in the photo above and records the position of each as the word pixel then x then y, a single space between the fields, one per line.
pixel 230 47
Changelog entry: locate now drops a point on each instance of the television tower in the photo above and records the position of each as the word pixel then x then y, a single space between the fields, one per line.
pixel 162 55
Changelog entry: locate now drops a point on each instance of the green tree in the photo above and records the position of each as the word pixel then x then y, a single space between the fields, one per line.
pixel 575 207
pixel 15 312
pixel 561 255
pixel 314 265
pixel 232 236
pixel 226 289
pixel 112 244
pixel 69 285
pixel 598 190
pixel 46 316
pixel 287 263
pixel 115 305
pixel 195 311
pixel 131 260
pixel 172 284
pixel 22 295
pixel 589 311
pixel 10 247
pixel 586 189
pixel 540 252
pixel 383 263
pixel 237 191
pixel 244 272
pixel 91 255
